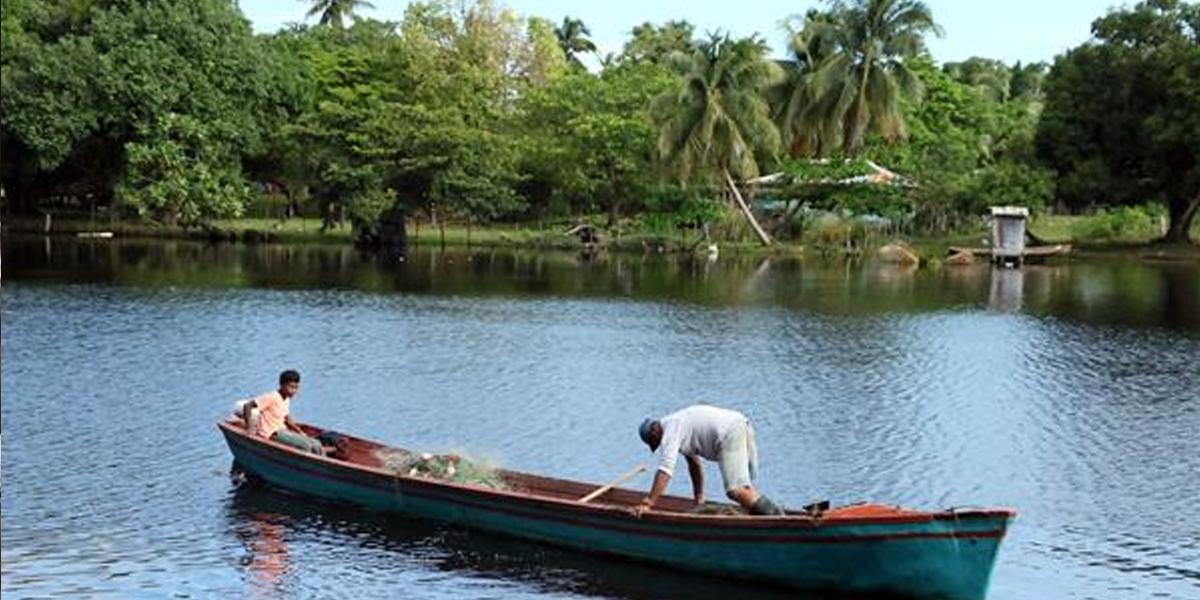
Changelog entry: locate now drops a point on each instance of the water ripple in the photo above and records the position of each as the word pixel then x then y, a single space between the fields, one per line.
pixel 860 387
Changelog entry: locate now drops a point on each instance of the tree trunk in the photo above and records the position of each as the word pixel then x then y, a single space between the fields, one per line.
pixel 613 213
pixel 858 117
pixel 1182 212
pixel 853 134
pixel 441 229
pixel 737 195
pixel 392 235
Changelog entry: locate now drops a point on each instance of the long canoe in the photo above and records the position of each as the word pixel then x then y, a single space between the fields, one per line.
pixel 862 548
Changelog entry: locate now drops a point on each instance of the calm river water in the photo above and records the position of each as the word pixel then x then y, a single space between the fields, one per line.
pixel 1069 392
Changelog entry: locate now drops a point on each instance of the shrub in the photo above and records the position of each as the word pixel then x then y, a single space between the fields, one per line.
pixel 1121 223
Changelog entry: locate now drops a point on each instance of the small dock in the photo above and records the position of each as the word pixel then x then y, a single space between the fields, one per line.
pixel 1008 247
pixel 1029 253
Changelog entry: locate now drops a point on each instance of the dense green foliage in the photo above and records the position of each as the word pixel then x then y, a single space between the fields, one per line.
pixel 174 111
pixel 155 102
pixel 1122 118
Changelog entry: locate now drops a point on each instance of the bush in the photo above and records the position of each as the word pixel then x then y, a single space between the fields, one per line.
pixel 673 208
pixel 1009 184
pixel 1125 222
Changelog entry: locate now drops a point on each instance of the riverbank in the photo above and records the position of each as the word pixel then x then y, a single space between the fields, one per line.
pixel 228 230
pixel 552 236
pixel 1133 243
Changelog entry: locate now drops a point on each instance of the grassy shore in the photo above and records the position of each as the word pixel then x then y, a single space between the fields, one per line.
pixel 300 230
pixel 1133 241
pixel 554 237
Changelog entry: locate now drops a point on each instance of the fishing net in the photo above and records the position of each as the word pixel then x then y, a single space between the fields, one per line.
pixel 444 467
pixel 726 510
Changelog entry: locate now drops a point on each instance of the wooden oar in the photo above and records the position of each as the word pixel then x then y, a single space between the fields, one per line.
pixel 614 483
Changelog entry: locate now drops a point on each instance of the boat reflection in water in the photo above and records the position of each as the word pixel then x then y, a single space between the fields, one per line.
pixel 275 526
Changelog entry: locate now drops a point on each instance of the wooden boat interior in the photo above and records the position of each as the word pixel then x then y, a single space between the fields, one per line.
pixel 366 453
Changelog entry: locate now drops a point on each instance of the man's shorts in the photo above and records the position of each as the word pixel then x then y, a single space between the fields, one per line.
pixel 298 440
pixel 739 457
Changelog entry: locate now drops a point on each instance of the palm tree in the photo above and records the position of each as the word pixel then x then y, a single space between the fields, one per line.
pixel 716 118
pixel 858 85
pixel 797 110
pixel 335 12
pixel 572 38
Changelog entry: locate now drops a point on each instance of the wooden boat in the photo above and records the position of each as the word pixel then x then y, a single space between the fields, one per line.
pixel 864 548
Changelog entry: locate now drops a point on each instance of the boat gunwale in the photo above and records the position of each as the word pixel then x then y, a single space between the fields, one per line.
pixel 232 426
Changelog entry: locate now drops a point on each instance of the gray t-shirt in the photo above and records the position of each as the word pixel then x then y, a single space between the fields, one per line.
pixel 695 431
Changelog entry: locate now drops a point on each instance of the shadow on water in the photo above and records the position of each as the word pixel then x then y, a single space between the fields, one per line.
pixel 267 521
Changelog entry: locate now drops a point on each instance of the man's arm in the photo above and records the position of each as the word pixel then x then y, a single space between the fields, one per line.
pixel 696 470
pixel 290 424
pixel 246 408
pixel 661 479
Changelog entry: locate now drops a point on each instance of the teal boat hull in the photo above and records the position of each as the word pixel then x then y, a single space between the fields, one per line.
pixel 944 555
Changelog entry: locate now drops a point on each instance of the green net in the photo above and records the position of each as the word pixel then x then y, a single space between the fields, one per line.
pixel 718 509
pixel 444 467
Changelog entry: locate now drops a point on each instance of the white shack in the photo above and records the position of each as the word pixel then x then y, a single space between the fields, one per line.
pixel 1008 234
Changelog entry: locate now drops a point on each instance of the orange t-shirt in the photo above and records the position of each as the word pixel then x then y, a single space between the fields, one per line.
pixel 272 410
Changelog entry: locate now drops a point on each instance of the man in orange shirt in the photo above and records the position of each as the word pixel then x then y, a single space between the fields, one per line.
pixel 274 418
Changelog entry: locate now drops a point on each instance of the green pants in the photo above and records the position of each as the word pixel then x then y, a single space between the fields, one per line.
pixel 298 440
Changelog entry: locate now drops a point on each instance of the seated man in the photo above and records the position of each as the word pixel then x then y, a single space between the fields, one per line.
pixel 274 418
pixel 717 434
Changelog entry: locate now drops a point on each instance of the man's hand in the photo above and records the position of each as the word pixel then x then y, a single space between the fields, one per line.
pixel 642 507
pixel 661 478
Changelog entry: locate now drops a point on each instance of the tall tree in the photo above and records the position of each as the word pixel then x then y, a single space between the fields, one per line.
pixel 988 76
pixel 715 120
pixel 572 38
pixel 655 43
pixel 1121 123
pixel 589 141
pixel 798 110
pixel 860 83
pixel 335 13
pixel 543 60
pixel 1026 81
pixel 158 102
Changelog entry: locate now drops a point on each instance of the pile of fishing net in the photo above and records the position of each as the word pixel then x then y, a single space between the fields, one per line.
pixel 725 510
pixel 444 467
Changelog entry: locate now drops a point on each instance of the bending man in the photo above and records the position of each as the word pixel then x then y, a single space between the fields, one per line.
pixel 717 434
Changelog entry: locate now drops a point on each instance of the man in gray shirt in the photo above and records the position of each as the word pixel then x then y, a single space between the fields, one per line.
pixel 717 434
